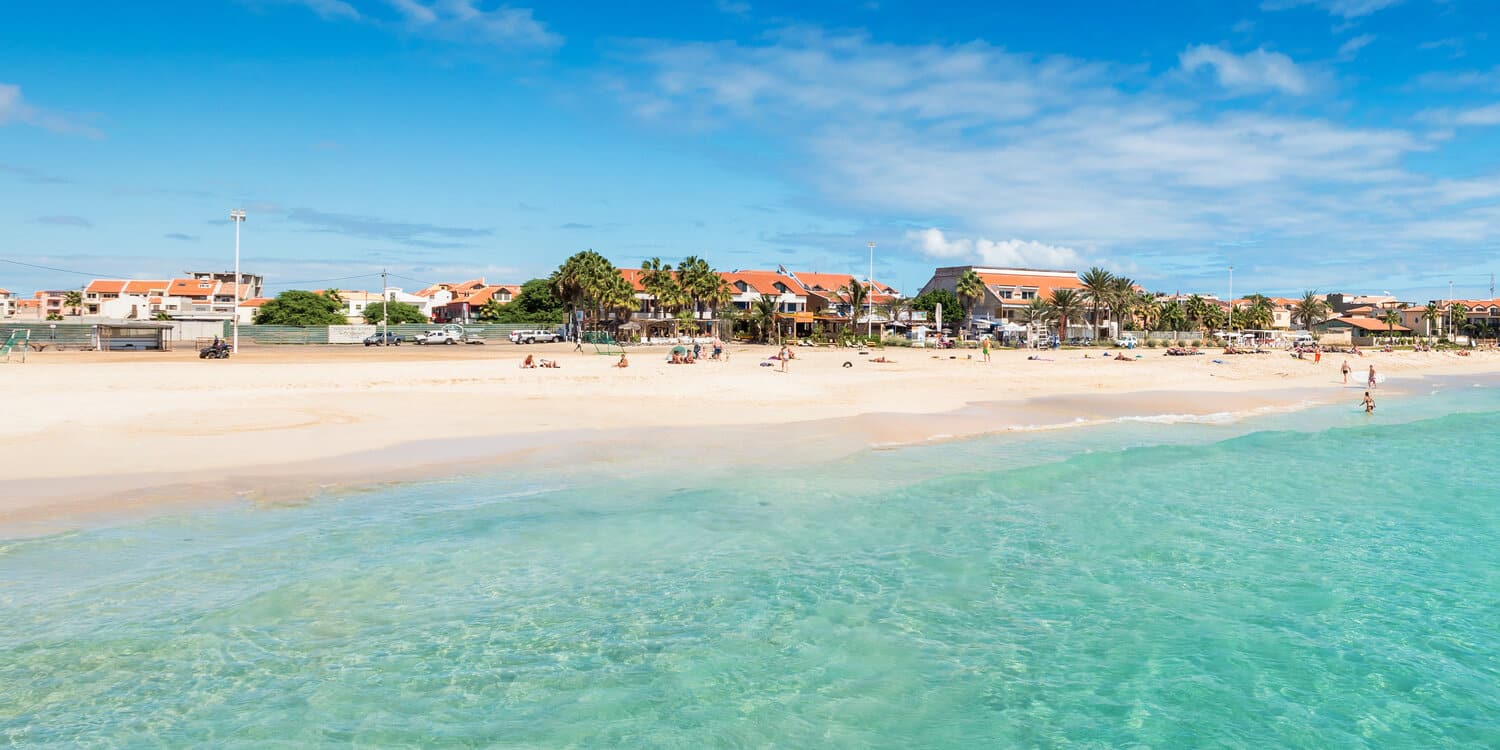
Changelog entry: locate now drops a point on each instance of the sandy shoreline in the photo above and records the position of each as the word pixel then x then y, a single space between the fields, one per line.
pixel 92 433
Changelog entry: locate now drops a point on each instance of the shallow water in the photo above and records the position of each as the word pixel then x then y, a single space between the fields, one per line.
pixel 1319 579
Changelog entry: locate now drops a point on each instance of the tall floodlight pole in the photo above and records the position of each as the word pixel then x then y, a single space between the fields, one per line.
pixel 238 217
pixel 1450 311
pixel 1231 298
pixel 385 308
pixel 870 296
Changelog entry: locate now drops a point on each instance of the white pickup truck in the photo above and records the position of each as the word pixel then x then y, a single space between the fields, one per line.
pixel 535 335
pixel 1128 341
pixel 437 337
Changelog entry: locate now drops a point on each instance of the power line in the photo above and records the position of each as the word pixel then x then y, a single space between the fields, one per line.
pixel 64 270
pixel 322 281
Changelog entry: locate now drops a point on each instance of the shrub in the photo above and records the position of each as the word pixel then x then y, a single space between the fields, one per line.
pixel 1152 343
pixel 1196 342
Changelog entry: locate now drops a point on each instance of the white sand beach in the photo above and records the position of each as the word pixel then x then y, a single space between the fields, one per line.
pixel 89 432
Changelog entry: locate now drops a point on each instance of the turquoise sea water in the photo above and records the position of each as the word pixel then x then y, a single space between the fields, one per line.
pixel 1319 579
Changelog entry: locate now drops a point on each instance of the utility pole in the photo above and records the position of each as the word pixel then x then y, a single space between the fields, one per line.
pixel 1231 298
pixel 870 296
pixel 238 217
pixel 385 308
pixel 1450 310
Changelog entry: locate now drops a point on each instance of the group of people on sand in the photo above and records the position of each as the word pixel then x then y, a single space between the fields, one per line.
pixel 531 363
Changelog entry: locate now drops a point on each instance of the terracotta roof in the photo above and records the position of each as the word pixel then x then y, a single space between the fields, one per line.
pixel 834 281
pixel 192 288
pixel 255 302
pixel 634 276
pixel 105 286
pixel 486 294
pixel 1044 285
pixel 145 287
pixel 763 282
pixel 4 291
pixel 28 303
pixel 1367 324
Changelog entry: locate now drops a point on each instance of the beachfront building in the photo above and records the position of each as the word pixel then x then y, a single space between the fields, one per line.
pixel 49 302
pixel 1281 311
pixel 254 282
pixel 825 297
pixel 125 299
pixel 461 302
pixel 1479 314
pixel 1007 292
pixel 1359 327
pixel 7 304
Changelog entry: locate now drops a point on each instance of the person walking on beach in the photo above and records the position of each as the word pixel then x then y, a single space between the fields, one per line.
pixel 984 346
pixel 1372 377
pixel 1317 354
pixel 1345 369
pixel 783 355
pixel 1369 403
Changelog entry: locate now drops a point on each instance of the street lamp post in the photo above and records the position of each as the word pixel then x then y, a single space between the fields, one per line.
pixel 870 296
pixel 238 217
pixel 1231 298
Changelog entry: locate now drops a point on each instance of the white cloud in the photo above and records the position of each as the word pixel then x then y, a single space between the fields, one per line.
pixel 1341 8
pixel 1349 49
pixel 1485 116
pixel 1077 155
pixel 15 108
pixel 932 243
pixel 331 9
pixel 1260 70
pixel 733 7
pixel 464 20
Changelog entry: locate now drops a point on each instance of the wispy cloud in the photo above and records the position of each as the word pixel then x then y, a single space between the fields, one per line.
pixel 180 237
pixel 1103 161
pixel 934 244
pixel 1454 80
pixel 464 20
pixel 1485 116
pixel 1256 71
pixel 65 220
pixel 417 234
pixel 1341 8
pixel 330 9
pixel 733 7
pixel 15 109
pixel 1349 49
pixel 33 176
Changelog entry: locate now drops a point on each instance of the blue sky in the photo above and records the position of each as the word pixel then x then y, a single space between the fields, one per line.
pixel 1330 144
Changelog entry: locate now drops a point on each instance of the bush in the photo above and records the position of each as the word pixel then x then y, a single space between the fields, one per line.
pixel 1196 343
pixel 899 341
pixel 1152 343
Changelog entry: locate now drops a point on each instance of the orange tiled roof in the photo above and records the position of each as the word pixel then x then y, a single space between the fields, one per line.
pixel 1044 285
pixel 255 302
pixel 1367 324
pixel 105 286
pixel 763 282
pixel 138 286
pixel 832 282
pixel 192 288
pixel 486 294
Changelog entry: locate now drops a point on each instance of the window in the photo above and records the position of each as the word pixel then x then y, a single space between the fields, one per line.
pixel 1028 294
pixel 204 285
pixel 1007 294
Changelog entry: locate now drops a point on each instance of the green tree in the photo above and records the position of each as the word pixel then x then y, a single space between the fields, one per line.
pixel 658 280
pixel 763 314
pixel 1172 315
pixel 1038 313
pixel 160 315
pixel 1098 286
pixel 334 294
pixel 300 308
pixel 579 280
pixel 928 302
pixel 1391 319
pixel 969 288
pixel 1432 314
pixel 535 303
pixel 1068 306
pixel 1310 310
pixel 1458 313
pixel 74 300
pixel 400 312
pixel 617 295
pixel 854 294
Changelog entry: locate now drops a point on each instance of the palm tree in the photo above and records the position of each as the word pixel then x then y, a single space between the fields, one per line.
pixel 1038 313
pixel 617 295
pixel 697 280
pixel 1310 310
pixel 73 299
pixel 854 294
pixel 763 314
pixel 1458 312
pixel 656 276
pixel 1068 307
pixel 580 278
pixel 1122 300
pixel 1172 316
pixel 1197 312
pixel 1098 284
pixel 1258 314
pixel 969 288
pixel 1432 315
pixel 334 294
pixel 1391 319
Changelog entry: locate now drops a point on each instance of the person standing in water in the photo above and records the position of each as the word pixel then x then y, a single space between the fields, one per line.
pixel 1346 370
pixel 1369 403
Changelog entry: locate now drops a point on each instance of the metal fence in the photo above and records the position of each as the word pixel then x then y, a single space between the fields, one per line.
pixel 71 335
pixel 263 334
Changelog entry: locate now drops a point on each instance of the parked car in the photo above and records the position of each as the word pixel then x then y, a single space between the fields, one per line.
pixel 437 337
pixel 1127 340
pixel 534 335
pixel 385 339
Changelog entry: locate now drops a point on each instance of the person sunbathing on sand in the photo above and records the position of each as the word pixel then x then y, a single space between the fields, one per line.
pixel 1122 358
pixel 1036 358
pixel 550 364
pixel 529 363
pixel 884 361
